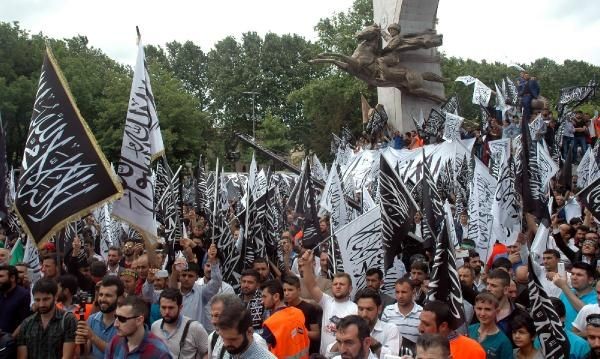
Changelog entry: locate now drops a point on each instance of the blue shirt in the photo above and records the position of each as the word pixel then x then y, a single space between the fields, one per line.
pixel 578 347
pixel 496 346
pixel 106 333
pixel 589 298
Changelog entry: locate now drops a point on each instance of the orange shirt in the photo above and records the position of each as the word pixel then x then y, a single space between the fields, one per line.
pixel 463 347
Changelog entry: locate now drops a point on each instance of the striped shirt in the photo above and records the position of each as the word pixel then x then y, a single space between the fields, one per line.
pixel 408 325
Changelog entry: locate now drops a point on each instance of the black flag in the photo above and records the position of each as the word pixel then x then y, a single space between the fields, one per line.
pixel 574 96
pixel 200 200
pixel 548 326
pixel 65 174
pixel 444 284
pixel 566 172
pixel 431 204
pixel 530 177
pixel 398 209
pixel 305 206
pixel 590 197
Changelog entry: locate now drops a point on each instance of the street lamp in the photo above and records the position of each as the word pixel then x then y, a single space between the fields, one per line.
pixel 253 94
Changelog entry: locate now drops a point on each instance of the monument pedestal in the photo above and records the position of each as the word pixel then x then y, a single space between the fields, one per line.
pixel 413 16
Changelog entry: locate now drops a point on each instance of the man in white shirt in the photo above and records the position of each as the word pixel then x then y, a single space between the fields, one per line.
pixel 405 313
pixel 550 260
pixel 336 306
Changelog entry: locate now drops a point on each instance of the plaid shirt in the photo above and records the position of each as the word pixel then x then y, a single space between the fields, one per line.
pixel 151 347
pixel 47 343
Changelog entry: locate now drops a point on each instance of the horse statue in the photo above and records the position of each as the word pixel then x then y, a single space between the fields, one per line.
pixel 381 67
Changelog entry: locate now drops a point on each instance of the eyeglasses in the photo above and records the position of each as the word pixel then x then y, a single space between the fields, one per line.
pixel 593 320
pixel 123 319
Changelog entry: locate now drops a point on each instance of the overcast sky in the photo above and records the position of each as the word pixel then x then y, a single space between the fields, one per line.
pixel 518 31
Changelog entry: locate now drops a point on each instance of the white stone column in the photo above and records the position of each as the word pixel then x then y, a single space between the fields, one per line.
pixel 413 16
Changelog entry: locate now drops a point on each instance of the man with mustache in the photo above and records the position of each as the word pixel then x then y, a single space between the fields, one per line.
pixel 133 340
pixel 49 333
pixel 186 338
pixel 235 330
pixel 99 328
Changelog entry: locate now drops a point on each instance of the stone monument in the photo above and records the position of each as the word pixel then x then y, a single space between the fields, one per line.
pixel 414 16
pixel 406 68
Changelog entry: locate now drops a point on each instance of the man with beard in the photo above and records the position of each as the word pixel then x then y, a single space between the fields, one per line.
pixel 112 261
pixel 49 333
pixel 67 288
pixel 14 300
pixel 385 337
pixel 128 254
pixel 23 279
pixel 251 296
pixel 129 278
pixel 475 263
pixel 419 272
pixel 185 338
pixel 353 339
pixel 218 303
pixel 235 330
pixel 133 339
pixel 334 307
pixel 99 328
pixel 374 279
pixel 284 329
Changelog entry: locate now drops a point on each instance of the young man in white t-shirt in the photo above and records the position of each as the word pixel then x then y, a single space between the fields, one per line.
pixel 335 306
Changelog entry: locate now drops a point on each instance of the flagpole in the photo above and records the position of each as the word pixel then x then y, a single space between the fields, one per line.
pixel 215 201
pixel 332 244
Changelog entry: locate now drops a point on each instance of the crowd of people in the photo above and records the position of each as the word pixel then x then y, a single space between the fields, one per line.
pixel 133 303
pixel 128 306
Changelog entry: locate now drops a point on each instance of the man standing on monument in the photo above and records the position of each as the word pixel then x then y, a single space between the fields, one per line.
pixel 529 89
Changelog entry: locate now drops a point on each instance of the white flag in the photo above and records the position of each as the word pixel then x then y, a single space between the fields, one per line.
pixel 467 80
pixel 572 209
pixel 142 143
pixel 361 247
pixel 452 127
pixel 546 166
pixel 480 209
pixel 31 257
pixel 481 94
pixel 106 228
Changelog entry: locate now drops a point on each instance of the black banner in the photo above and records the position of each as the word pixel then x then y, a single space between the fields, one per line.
pixel 548 326
pixel 65 174
pixel 398 209
pixel 590 197
pixel 444 284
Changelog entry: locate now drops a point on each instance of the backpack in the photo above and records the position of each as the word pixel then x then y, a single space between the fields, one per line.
pixel 8 347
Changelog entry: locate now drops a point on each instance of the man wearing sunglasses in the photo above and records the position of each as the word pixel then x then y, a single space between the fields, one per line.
pixel 133 340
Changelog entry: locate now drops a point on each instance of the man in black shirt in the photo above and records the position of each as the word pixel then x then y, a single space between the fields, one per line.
pixel 312 313
pixel 579 135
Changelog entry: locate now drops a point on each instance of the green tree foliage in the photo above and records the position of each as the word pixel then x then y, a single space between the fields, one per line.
pixel 201 99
